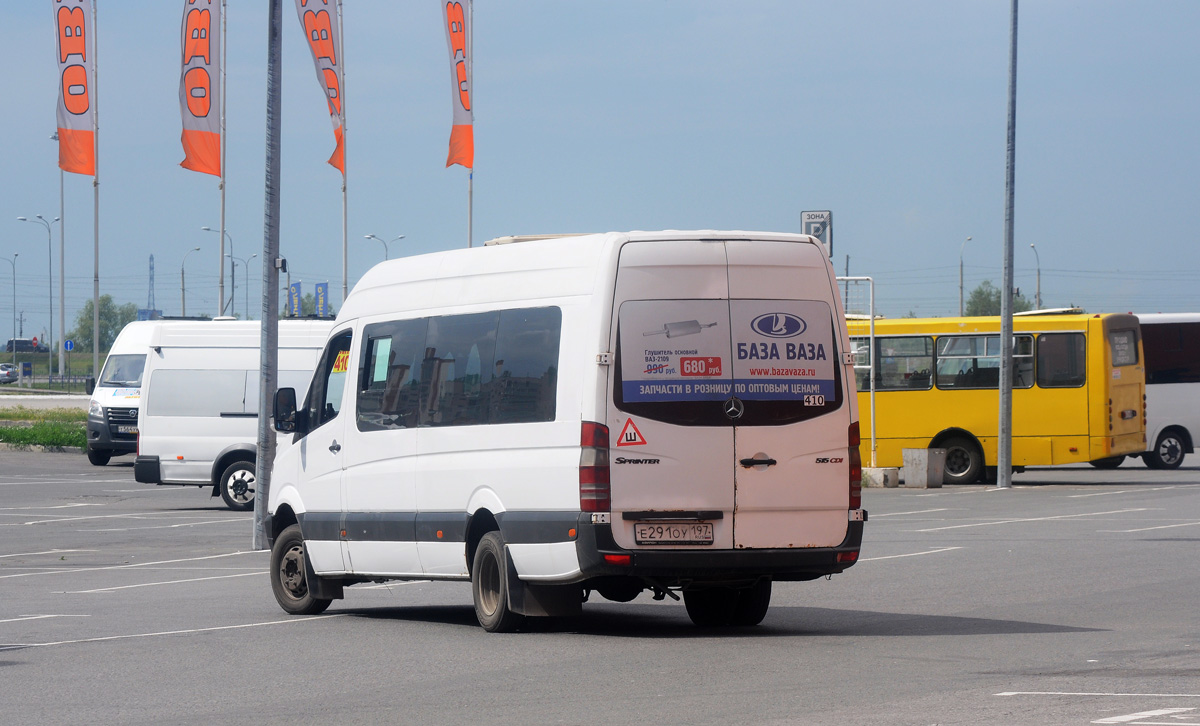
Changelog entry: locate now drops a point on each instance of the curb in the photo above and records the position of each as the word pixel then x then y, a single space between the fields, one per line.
pixel 39 448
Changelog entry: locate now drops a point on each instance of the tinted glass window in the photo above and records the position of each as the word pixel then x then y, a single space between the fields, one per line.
pixel 389 377
pixel 1061 360
pixel 526 369
pixel 1172 352
pixel 903 363
pixel 458 364
pixel 973 361
pixel 329 382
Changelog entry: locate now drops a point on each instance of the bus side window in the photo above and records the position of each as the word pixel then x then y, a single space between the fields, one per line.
pixel 903 363
pixel 1061 360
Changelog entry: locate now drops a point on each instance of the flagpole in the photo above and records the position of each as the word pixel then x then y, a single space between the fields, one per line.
pixel 471 87
pixel 342 60
pixel 221 186
pixel 95 197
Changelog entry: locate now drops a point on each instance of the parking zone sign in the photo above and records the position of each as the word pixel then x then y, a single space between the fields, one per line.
pixel 819 225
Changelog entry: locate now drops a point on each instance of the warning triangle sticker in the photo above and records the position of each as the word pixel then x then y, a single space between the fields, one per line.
pixel 630 436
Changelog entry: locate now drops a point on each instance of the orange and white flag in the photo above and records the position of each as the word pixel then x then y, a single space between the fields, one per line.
pixel 200 86
pixel 321 20
pixel 76 54
pixel 456 16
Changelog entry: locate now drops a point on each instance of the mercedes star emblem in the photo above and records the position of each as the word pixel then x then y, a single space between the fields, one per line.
pixel 734 408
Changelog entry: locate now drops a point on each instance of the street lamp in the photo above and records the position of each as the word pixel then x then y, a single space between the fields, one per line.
pixel 246 267
pixel 1038 296
pixel 960 276
pixel 182 287
pixel 385 244
pixel 221 280
pixel 39 219
pixel 13 262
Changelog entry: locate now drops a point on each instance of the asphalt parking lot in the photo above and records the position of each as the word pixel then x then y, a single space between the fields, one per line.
pixel 1070 599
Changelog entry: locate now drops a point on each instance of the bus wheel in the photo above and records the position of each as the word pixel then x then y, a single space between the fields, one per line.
pixel 714 606
pixel 288 580
pixel 964 461
pixel 1111 462
pixel 1167 453
pixel 237 486
pixel 489 587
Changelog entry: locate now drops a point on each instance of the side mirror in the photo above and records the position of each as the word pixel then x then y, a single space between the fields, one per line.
pixel 90 385
pixel 285 410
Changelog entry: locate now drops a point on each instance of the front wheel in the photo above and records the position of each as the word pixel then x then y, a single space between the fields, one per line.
pixel 1111 462
pixel 288 580
pixel 98 457
pixel 1167 452
pixel 964 461
pixel 489 587
pixel 237 486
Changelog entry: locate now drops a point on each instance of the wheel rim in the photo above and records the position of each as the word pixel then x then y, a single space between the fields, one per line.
pixel 1169 450
pixel 291 572
pixel 240 486
pixel 489 584
pixel 958 461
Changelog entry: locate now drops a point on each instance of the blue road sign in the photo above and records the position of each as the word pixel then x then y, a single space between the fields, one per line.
pixel 68 345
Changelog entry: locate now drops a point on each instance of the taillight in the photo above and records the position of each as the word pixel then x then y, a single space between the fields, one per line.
pixel 855 468
pixel 593 468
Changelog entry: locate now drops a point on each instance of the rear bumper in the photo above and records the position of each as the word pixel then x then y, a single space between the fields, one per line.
pixel 681 566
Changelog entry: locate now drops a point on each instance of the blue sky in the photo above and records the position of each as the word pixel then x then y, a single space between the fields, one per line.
pixel 648 114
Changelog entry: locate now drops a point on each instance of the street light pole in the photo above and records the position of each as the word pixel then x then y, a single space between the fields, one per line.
pixel 50 270
pixel 182 286
pixel 221 287
pixel 385 244
pixel 960 276
pixel 13 262
pixel 233 280
pixel 1038 295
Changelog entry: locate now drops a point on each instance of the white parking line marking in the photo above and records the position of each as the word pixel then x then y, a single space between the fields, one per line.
pixel 173 526
pixel 75 570
pixel 1119 491
pixel 21 618
pixel 166 582
pixel 910 554
pixel 54 506
pixel 1147 529
pixel 18 646
pixel 1032 519
pixel 919 511
pixel 1102 693
pixel 1144 714
pixel 47 552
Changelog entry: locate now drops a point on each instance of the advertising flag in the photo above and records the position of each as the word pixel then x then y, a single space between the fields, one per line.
pixel 76 53
pixel 322 295
pixel 294 300
pixel 321 20
pixel 200 86
pixel 456 17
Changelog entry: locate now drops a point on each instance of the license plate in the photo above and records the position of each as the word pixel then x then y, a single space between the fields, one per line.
pixel 122 429
pixel 673 533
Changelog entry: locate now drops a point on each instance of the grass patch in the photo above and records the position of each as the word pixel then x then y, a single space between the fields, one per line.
pixel 45 433
pixel 60 415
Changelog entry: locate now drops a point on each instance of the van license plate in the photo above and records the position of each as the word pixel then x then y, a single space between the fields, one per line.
pixel 127 429
pixel 673 533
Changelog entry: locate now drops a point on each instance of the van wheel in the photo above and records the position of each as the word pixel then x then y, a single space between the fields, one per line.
pixel 1167 452
pixel 752 603
pixel 1111 462
pixel 489 587
pixel 98 457
pixel 237 486
pixel 288 566
pixel 712 607
pixel 964 461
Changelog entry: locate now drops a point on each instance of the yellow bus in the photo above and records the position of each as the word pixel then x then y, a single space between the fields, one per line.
pixel 1078 390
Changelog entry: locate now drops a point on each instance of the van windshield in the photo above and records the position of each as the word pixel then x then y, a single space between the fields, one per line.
pixel 123 371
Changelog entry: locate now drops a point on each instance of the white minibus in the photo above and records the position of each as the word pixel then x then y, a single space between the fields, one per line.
pixel 113 408
pixel 1171 343
pixel 198 423
pixel 550 418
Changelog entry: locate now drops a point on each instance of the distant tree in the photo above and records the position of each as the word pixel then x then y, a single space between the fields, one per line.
pixel 112 318
pixel 985 300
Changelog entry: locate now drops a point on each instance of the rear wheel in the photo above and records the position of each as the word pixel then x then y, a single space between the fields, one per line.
pixel 711 607
pixel 237 486
pixel 752 603
pixel 489 587
pixel 98 457
pixel 288 580
pixel 1167 452
pixel 964 461
pixel 1111 462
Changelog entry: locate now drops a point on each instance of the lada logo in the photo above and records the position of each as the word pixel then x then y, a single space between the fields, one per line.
pixel 779 325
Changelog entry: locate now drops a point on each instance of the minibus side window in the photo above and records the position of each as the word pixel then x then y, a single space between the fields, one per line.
pixel 325 397
pixel 526 381
pixel 389 375
pixel 457 368
pixel 1060 360
pixel 1172 352
pixel 903 363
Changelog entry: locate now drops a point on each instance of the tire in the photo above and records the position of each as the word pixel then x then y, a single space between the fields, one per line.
pixel 1111 462
pixel 964 461
pixel 98 457
pixel 752 603
pixel 711 607
pixel 288 580
pixel 1167 452
pixel 237 486
pixel 489 587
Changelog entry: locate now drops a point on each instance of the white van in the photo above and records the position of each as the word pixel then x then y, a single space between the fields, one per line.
pixel 113 409
pixel 1171 343
pixel 550 418
pixel 198 423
